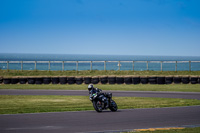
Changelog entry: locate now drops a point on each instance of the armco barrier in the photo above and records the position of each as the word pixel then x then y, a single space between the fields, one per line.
pixel 102 80
pixel 78 65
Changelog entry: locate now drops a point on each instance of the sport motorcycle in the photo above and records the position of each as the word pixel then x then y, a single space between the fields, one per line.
pixel 103 101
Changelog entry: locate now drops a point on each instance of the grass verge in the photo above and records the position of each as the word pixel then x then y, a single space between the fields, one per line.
pixel 91 73
pixel 185 130
pixel 139 87
pixel 11 104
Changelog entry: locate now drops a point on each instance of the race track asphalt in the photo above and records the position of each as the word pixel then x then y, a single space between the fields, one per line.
pixel 185 95
pixel 91 121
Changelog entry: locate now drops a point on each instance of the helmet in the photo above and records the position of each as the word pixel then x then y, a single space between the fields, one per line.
pixel 90 86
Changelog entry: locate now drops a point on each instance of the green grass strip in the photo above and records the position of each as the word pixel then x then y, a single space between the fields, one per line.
pixel 91 73
pixel 13 104
pixel 139 87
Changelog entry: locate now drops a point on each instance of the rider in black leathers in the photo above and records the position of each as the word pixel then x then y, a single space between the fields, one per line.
pixel 93 90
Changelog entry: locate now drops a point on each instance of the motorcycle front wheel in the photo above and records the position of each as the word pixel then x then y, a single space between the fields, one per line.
pixel 113 106
pixel 97 106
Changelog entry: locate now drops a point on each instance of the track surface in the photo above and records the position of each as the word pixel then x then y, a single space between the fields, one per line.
pixel 91 121
pixel 186 95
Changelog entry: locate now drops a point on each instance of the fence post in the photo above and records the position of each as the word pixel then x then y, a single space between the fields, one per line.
pixel 161 68
pixel 21 65
pixel 147 65
pixel 133 65
pixel 35 65
pixel 119 65
pixel 49 66
pixel 104 65
pixel 63 66
pixel 190 66
pixel 176 66
pixel 90 65
pixel 76 65
pixel 7 65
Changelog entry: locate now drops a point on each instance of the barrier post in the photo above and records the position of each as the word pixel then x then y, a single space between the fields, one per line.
pixel 119 65
pixel 49 66
pixel 190 66
pixel 63 66
pixel 35 65
pixel 161 64
pixel 147 65
pixel 7 65
pixel 90 65
pixel 104 65
pixel 21 65
pixel 133 65
pixel 76 65
pixel 176 66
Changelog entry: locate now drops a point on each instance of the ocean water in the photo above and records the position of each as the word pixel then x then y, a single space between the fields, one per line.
pixel 169 65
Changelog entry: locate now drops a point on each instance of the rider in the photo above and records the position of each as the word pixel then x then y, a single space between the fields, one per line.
pixel 93 90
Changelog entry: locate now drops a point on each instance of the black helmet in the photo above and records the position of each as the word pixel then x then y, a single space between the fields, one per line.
pixel 90 87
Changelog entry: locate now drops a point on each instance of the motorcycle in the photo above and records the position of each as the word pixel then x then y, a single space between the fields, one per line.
pixel 103 101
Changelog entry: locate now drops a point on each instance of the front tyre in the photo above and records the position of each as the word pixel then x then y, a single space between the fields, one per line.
pixel 97 106
pixel 113 106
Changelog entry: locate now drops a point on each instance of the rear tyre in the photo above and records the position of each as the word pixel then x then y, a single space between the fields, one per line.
pixel 97 106
pixel 113 106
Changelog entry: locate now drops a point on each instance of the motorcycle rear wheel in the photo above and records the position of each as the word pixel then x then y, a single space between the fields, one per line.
pixel 97 106
pixel 113 106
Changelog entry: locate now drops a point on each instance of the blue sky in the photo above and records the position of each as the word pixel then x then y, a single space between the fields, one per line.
pixel 107 27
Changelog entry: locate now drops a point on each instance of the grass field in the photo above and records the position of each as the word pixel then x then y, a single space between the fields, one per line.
pixel 91 73
pixel 139 87
pixel 11 104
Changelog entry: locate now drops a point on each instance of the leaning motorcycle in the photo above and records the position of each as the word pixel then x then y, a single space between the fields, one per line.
pixel 103 101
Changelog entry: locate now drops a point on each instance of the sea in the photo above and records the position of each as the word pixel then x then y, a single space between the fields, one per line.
pixel 113 62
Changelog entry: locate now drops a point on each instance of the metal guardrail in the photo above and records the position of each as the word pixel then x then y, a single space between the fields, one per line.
pixel 92 62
